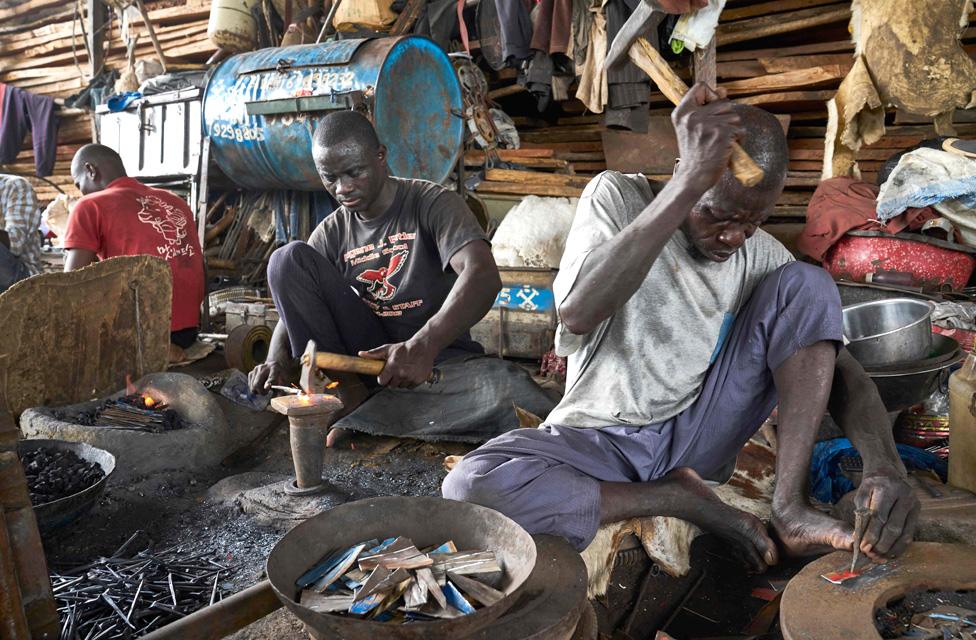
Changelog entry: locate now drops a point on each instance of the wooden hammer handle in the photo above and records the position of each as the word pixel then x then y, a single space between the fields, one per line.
pixel 650 61
pixel 348 364
pixel 362 366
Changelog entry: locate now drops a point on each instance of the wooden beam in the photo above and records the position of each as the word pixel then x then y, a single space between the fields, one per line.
pixel 792 63
pixel 780 52
pixel 801 78
pixel 534 177
pixel 755 28
pixel 766 8
pixel 407 17
pixel 789 97
pixel 704 64
pixel 97 17
pixel 521 189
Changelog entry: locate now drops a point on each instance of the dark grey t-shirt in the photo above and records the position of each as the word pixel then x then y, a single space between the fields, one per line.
pixel 399 263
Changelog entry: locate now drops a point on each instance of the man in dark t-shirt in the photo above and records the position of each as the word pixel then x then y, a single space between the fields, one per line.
pixel 399 272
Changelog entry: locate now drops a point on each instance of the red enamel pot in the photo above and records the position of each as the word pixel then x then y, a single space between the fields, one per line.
pixel 906 259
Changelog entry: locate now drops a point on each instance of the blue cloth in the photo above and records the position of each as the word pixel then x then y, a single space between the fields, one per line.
pixel 120 101
pixel 828 484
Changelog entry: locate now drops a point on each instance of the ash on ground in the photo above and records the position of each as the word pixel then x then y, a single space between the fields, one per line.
pixel 53 474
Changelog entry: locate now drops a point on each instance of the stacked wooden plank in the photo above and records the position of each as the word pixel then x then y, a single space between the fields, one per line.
pixel 785 56
pixel 42 50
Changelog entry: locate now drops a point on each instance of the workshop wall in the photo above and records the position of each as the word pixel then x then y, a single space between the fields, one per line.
pixel 42 50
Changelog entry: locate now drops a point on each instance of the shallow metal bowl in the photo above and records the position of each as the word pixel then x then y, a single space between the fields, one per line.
pixel 886 332
pixel 52 515
pixel 904 386
pixel 426 521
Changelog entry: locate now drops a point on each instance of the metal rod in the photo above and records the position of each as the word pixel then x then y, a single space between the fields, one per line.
pixel 223 618
pixel 328 20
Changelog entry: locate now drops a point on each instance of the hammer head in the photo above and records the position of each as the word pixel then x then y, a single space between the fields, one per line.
pixel 638 24
pixel 312 379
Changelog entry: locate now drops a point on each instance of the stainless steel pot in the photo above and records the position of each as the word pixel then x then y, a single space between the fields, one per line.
pixel 906 385
pixel 887 332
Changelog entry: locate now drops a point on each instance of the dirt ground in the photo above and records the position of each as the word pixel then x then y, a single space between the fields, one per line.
pixel 717 599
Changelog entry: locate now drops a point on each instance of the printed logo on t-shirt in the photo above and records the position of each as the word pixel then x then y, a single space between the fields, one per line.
pixel 377 280
pixel 382 261
pixel 169 222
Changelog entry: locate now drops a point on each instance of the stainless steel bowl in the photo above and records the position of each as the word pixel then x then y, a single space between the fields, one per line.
pixel 887 332
pixel 906 385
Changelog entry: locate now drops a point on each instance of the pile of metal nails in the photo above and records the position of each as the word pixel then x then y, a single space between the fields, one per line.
pixel 394 581
pixel 133 412
pixel 126 597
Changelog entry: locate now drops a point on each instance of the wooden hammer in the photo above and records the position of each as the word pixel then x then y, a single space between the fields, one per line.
pixel 641 53
pixel 314 361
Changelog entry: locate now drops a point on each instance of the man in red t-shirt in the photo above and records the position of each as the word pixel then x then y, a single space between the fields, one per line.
pixel 120 216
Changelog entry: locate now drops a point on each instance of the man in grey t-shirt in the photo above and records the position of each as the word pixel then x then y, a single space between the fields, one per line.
pixel 399 272
pixel 685 325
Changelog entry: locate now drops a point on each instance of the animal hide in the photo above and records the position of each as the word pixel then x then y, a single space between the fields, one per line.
pixel 908 55
pixel 668 540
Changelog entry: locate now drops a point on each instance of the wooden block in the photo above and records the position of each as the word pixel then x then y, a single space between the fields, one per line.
pixel 13 622
pixel 515 188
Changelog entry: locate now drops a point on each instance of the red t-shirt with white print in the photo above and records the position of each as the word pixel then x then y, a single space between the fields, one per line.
pixel 128 218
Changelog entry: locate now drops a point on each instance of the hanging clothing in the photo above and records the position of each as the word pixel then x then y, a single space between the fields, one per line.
pixel 629 87
pixel 579 43
pixel 516 29
pixel 592 89
pixel 553 27
pixel 23 112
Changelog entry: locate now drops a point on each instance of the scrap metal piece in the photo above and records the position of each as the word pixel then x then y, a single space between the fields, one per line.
pixel 862 517
pixel 635 27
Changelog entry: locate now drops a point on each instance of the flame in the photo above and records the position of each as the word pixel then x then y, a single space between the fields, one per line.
pixel 332 385
pixel 148 400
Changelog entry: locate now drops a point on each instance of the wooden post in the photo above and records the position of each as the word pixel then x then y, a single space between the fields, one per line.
pixel 24 542
pixel 13 623
pixel 705 66
pixel 96 34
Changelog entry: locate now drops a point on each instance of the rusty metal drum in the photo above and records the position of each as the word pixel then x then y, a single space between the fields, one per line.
pixel 261 108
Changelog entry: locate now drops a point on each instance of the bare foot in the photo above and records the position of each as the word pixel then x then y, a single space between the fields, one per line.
pixel 338 438
pixel 804 531
pixel 702 507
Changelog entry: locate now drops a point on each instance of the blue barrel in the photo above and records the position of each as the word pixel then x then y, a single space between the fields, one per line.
pixel 260 109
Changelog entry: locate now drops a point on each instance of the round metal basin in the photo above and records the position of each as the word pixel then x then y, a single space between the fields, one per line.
pixel 52 515
pixel 426 521
pixel 904 386
pixel 887 332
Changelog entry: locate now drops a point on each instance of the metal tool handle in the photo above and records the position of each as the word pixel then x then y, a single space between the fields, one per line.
pixel 743 167
pixel 362 366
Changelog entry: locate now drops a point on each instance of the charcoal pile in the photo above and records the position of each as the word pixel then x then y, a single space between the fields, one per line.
pixel 394 581
pixel 53 474
pixel 133 412
pixel 125 597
